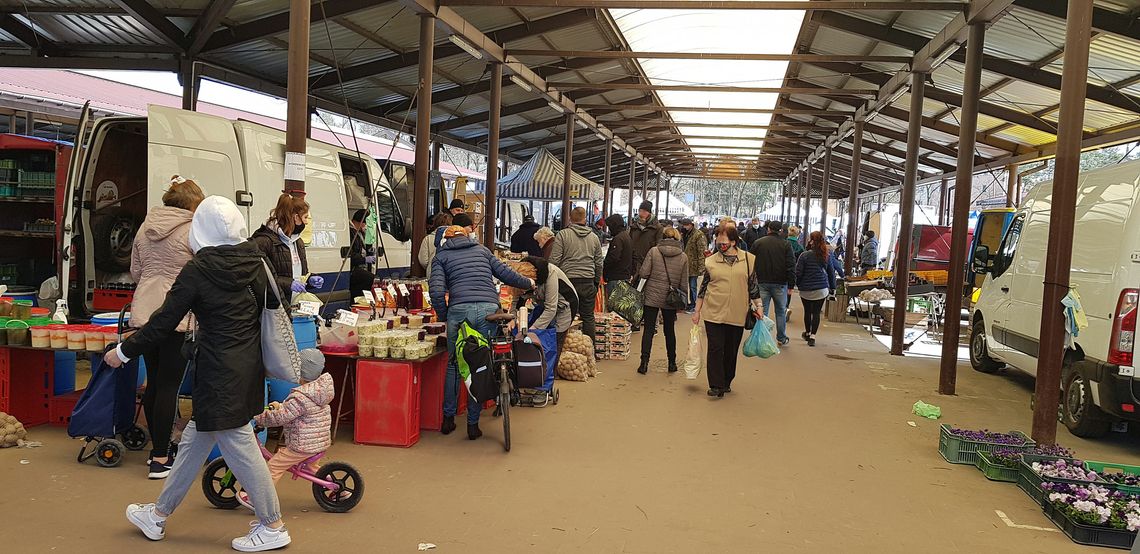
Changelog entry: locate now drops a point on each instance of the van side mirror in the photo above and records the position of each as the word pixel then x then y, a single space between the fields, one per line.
pixel 981 262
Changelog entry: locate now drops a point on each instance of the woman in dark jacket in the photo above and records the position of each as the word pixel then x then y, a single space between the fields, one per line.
pixel 280 241
pixel 226 286
pixel 618 265
pixel 815 278
pixel 664 268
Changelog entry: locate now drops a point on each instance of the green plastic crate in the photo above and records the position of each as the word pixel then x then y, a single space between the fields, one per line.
pixel 37 177
pixel 957 450
pixel 1030 482
pixel 994 471
pixel 1108 467
pixel 1091 535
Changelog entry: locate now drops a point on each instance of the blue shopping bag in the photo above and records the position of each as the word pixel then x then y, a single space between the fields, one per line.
pixel 761 343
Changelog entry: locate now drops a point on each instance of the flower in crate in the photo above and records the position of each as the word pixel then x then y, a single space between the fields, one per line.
pixel 1060 469
pixel 1052 450
pixel 987 436
pixel 1006 457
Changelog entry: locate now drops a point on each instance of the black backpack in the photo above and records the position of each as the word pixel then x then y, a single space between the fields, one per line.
pixel 531 360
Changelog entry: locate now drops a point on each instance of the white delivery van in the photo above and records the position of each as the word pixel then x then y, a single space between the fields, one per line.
pixel 122 165
pixel 1098 381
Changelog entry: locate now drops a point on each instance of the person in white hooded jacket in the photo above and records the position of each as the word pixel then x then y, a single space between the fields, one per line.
pixel 226 285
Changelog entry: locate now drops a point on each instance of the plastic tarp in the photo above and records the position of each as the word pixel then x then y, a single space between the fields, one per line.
pixel 540 178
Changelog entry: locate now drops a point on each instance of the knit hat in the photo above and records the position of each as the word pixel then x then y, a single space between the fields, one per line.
pixel 217 222
pixel 455 203
pixel 646 205
pixel 312 364
pixel 462 220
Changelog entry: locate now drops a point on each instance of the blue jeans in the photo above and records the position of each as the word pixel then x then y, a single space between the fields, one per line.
pixel 476 314
pixel 776 293
pixel 692 292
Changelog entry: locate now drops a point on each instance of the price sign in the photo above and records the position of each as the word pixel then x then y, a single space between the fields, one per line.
pixel 403 289
pixel 391 290
pixel 345 317
pixel 368 297
pixel 309 308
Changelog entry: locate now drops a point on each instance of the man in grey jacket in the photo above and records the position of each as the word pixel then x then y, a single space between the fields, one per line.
pixel 578 253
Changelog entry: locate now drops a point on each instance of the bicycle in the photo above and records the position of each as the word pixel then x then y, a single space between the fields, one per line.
pixel 337 486
pixel 503 360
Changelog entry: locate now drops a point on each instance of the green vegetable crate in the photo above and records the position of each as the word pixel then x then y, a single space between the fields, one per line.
pixel 958 450
pixel 1090 535
pixel 1106 468
pixel 993 470
pixel 1030 482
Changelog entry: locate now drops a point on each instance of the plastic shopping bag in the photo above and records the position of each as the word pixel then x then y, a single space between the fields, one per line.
pixel 761 343
pixel 695 359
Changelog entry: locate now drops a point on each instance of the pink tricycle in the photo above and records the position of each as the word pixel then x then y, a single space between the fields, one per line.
pixel 337 486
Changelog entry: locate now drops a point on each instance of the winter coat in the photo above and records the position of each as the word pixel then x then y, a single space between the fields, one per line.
pixel 357 250
pixel 427 252
pixel 161 249
pixel 869 255
pixel 305 415
pixel 618 265
pixel 280 257
pixel 463 270
pixel 695 247
pixel 578 253
pixel 555 297
pixel 226 287
pixel 523 241
pixel 837 264
pixel 643 236
pixel 753 234
pixel 725 289
pixel 775 262
pixel 665 267
pixel 812 273
pixel 797 246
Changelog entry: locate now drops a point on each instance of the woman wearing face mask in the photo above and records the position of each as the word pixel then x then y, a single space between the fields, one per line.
pixel 280 241
pixel 723 304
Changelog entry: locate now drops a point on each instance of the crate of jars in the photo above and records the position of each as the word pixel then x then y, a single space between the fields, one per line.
pixel 961 446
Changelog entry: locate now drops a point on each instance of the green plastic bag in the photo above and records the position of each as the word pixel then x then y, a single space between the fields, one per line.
pixel 929 411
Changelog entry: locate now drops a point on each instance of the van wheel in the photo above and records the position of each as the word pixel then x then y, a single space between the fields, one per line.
pixel 114 235
pixel 980 358
pixel 1079 413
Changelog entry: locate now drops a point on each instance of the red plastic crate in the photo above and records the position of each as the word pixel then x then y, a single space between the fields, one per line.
pixel 60 408
pixel 27 375
pixel 111 300
pixel 387 403
pixel 4 383
pixel 433 376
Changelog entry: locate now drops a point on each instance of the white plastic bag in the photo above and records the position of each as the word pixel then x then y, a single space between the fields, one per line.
pixel 695 359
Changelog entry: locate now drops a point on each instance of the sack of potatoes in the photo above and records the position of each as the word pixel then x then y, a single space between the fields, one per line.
pixel 573 367
pixel 11 431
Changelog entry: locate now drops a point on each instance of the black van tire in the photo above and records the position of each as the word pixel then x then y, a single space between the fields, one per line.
pixel 1078 411
pixel 980 358
pixel 113 234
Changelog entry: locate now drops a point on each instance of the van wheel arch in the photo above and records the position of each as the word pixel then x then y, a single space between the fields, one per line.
pixel 1079 411
pixel 980 358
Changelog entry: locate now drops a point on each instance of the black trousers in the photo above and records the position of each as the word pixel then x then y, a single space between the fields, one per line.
pixel 165 368
pixel 812 310
pixel 669 320
pixel 359 280
pixel 724 347
pixel 587 291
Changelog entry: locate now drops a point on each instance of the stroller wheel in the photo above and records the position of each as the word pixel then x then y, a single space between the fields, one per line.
pixel 554 396
pixel 219 485
pixel 135 438
pixel 109 452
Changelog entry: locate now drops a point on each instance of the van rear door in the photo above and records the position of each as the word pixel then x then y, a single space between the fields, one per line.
pixel 72 187
pixel 195 146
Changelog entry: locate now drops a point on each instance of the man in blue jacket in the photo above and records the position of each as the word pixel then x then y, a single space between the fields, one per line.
pixel 462 288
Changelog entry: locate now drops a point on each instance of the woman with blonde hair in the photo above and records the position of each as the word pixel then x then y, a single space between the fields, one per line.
pixel 280 240
pixel 545 238
pixel 665 267
pixel 160 250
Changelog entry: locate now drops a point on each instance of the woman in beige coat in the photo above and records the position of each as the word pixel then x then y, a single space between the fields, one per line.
pixel 160 250
pixel 723 304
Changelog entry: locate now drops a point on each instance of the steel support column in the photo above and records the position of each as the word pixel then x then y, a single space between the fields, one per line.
pixel 825 193
pixel 632 180
pixel 963 185
pixel 606 201
pixel 491 196
pixel 784 200
pixel 1010 185
pixel 297 95
pixel 435 150
pixel 808 176
pixel 906 211
pixel 849 260
pixel 567 162
pixel 1074 80
pixel 942 202
pixel 668 187
pixel 191 84
pixel 645 185
pixel 423 140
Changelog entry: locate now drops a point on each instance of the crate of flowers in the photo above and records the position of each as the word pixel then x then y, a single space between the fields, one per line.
pixel 1124 478
pixel 1093 515
pixel 961 446
pixel 999 465
pixel 1050 466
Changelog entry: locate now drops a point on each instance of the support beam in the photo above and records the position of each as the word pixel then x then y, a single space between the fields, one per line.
pixel 278 23
pixel 25 35
pixel 567 164
pixel 716 5
pixel 191 83
pixel 606 188
pixel 963 187
pixel 629 199
pixel 1011 181
pixel 825 194
pixel 423 140
pixel 297 98
pixel 1102 19
pixel 906 212
pixel 1057 264
pixel 491 191
pixel 630 55
pixel 205 25
pixel 706 109
pixel 145 14
pixel 818 91
pixel 853 200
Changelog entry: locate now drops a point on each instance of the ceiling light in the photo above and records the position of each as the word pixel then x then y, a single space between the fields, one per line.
pixel 521 83
pixel 466 46
pixel 581 123
pixel 944 55
pixel 557 106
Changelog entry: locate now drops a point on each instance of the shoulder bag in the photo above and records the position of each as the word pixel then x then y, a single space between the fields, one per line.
pixel 753 293
pixel 279 351
pixel 674 298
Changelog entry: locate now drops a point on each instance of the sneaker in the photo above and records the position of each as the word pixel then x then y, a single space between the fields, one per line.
pixel 142 515
pixel 243 499
pixel 159 470
pixel 261 538
pixel 785 341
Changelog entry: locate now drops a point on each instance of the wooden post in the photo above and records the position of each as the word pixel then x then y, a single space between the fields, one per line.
pixel 567 161
pixel 606 191
pixel 297 97
pixel 849 258
pixel 906 211
pixel 825 193
pixel 491 196
pixel 423 140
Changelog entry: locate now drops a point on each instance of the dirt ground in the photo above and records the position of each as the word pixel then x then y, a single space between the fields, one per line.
pixel 811 452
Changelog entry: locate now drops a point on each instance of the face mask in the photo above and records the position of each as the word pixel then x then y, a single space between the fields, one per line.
pixel 723 246
pixel 298 229
pixel 473 236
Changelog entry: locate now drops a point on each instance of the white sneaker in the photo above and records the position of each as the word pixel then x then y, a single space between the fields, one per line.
pixel 261 538
pixel 142 515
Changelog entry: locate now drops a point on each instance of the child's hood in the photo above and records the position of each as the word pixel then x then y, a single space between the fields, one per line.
pixel 320 392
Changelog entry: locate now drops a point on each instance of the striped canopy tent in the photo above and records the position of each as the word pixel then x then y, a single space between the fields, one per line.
pixel 540 178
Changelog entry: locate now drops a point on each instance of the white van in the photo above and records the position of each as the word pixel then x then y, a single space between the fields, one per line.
pixel 123 164
pixel 1098 381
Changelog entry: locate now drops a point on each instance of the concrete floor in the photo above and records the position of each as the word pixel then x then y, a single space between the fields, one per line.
pixel 811 452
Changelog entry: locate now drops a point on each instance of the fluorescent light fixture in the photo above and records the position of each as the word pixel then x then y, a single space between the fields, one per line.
pixel 944 55
pixel 521 83
pixel 557 106
pixel 600 135
pixel 466 46
pixel 581 123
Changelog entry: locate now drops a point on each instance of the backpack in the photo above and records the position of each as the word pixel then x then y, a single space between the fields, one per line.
pixel 473 358
pixel 531 361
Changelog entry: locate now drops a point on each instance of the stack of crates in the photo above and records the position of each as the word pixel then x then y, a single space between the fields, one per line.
pixel 613 336
pixel 37 183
